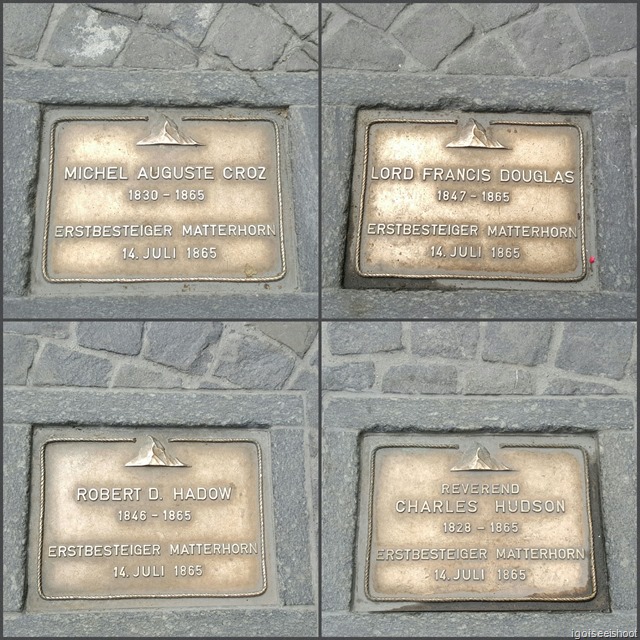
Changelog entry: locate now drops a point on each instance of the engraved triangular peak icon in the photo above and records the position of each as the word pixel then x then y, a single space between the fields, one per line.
pixel 481 460
pixel 168 133
pixel 474 134
pixel 153 454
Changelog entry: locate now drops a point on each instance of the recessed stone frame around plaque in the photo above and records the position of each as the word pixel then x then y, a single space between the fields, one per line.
pixel 403 524
pixel 109 218
pixel 208 546
pixel 484 197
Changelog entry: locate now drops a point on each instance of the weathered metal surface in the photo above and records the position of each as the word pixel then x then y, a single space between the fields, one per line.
pixel 151 517
pixel 498 519
pixel 146 196
pixel 476 196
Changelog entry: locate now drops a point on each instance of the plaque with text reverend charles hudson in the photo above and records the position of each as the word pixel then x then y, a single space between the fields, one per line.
pixel 469 197
pixel 479 522
pixel 163 196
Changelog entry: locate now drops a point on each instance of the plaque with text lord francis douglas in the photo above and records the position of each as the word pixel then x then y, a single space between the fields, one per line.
pixel 479 522
pixel 139 518
pixel 469 197
pixel 163 196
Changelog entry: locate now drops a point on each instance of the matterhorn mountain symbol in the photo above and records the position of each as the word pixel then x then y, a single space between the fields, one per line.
pixel 474 135
pixel 153 454
pixel 169 134
pixel 481 461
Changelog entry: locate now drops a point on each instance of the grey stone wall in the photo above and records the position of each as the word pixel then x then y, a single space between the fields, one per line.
pixel 180 374
pixel 470 377
pixel 262 56
pixel 494 57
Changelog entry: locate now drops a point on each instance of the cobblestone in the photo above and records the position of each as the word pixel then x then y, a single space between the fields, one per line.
pixel 490 380
pixel 87 38
pixel 49 329
pixel 148 51
pixel 357 45
pixel 379 15
pixel 118 337
pixel 189 21
pixel 370 337
pixel 263 38
pixel 610 27
pixel 446 339
pixel 431 32
pixel 569 387
pixel 181 344
pixel 128 9
pixel 135 376
pixel 488 16
pixel 348 377
pixel 23 26
pixel 61 366
pixel 301 17
pixel 298 336
pixel 548 41
pixel 596 348
pixel 253 363
pixel 420 379
pixel 490 56
pixel 17 358
pixel 517 343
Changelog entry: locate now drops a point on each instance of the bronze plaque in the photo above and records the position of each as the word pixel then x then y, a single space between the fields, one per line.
pixel 150 196
pixel 476 196
pixel 150 516
pixel 491 519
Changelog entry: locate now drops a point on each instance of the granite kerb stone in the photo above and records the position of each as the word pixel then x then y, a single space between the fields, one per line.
pixel 423 91
pixel 614 202
pixel 135 408
pixel 340 464
pixel 16 440
pixel 304 153
pixel 337 153
pixel 20 146
pixel 291 510
pixel 618 489
pixel 286 621
pixel 228 306
pixel 489 414
pixel 441 305
pixel 162 88
pixel 487 625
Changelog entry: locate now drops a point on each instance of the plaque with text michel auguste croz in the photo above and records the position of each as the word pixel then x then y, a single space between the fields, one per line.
pixel 472 197
pixel 142 195
pixel 133 519
pixel 479 522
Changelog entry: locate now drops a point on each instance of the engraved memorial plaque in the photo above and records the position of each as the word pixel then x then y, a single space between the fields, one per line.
pixel 486 520
pixel 133 517
pixel 475 197
pixel 163 196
